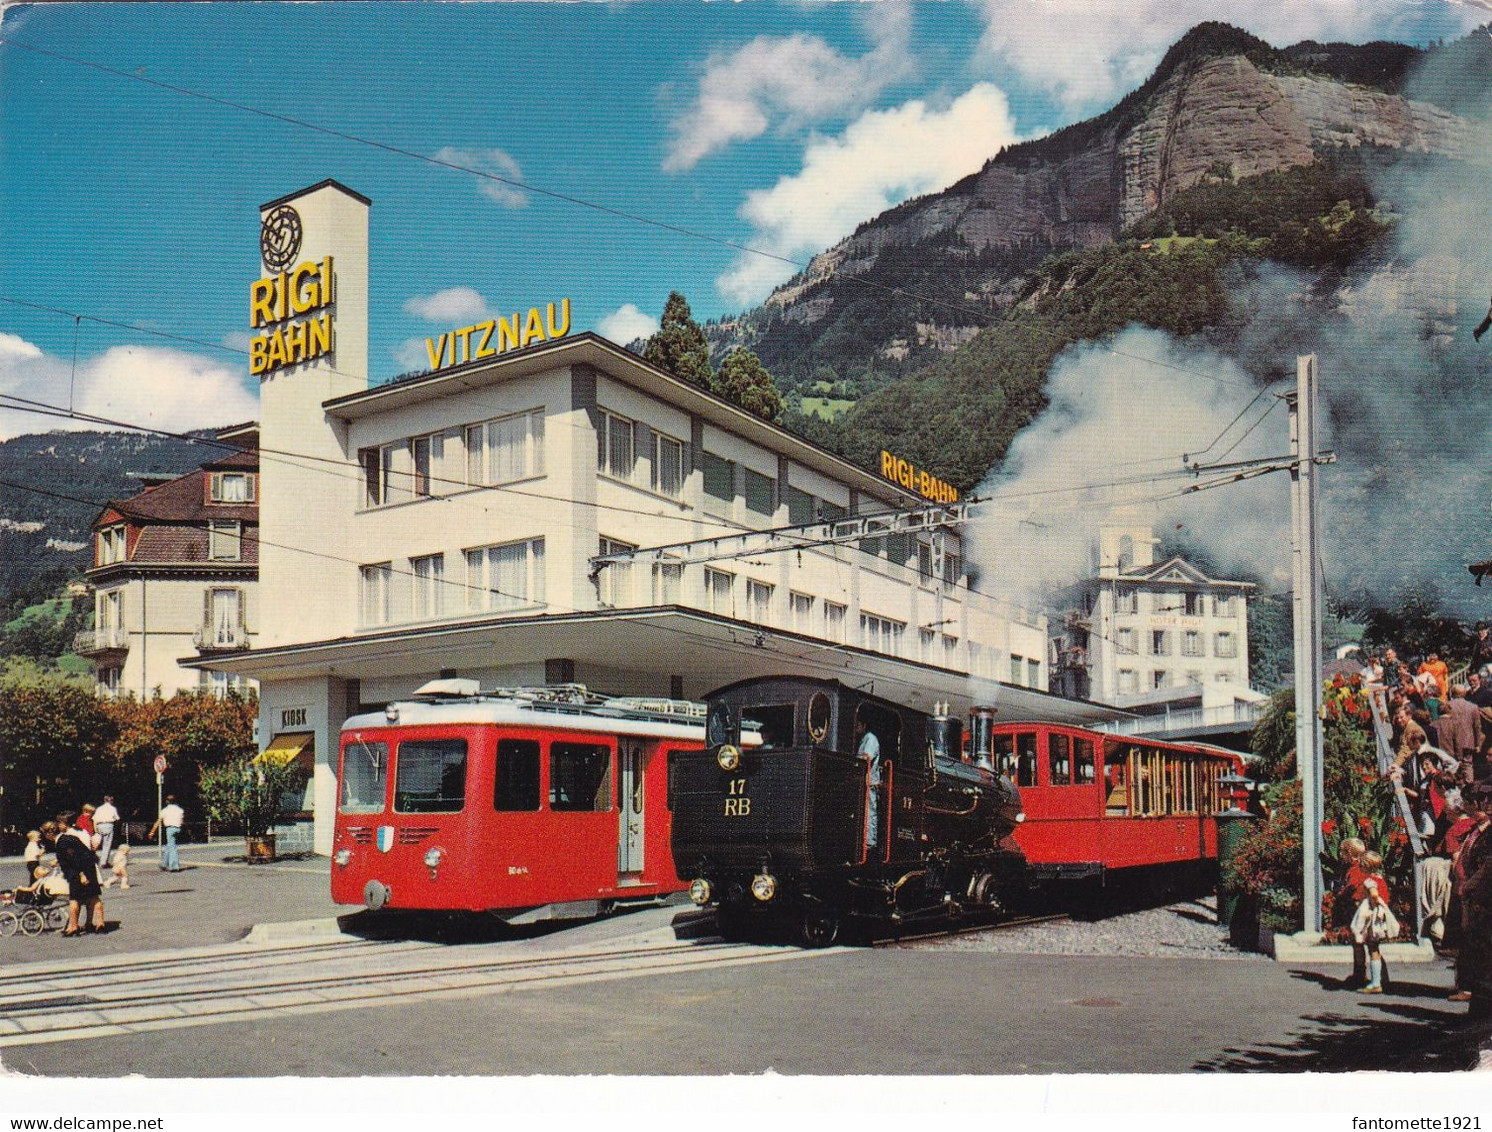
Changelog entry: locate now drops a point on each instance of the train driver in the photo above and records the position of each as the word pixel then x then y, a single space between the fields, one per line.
pixel 868 747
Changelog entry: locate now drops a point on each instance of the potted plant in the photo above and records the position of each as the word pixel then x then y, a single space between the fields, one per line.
pixel 255 794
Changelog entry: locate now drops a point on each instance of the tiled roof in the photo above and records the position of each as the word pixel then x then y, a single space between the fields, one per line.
pixel 169 543
pixel 245 458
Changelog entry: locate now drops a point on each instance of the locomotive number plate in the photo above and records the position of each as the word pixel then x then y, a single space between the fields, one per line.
pixel 737 804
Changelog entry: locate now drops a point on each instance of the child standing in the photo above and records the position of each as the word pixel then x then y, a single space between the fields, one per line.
pixel 1345 901
pixel 120 873
pixel 1374 922
pixel 34 851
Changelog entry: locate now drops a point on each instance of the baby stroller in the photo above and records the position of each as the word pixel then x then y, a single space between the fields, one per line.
pixel 31 913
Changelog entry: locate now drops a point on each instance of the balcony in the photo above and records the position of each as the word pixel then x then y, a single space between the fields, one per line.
pixel 211 638
pixel 1194 719
pixel 95 642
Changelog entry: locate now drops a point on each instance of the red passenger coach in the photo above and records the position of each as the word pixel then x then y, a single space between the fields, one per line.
pixel 1096 802
pixel 532 804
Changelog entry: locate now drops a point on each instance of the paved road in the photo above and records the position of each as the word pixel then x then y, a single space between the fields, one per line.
pixel 472 1007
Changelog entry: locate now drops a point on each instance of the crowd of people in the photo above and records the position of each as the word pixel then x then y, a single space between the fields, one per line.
pixel 1442 766
pixel 69 856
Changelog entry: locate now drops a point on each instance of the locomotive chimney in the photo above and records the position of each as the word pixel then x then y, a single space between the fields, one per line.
pixel 946 734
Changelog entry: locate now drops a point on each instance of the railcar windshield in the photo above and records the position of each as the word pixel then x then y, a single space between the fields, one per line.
pixel 430 777
pixel 776 723
pixel 365 769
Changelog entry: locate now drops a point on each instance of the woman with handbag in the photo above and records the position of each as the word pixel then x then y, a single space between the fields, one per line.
pixel 1374 922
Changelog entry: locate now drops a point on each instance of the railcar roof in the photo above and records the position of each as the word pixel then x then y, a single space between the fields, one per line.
pixel 518 713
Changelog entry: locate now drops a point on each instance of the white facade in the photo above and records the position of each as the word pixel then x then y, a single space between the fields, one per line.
pixel 148 623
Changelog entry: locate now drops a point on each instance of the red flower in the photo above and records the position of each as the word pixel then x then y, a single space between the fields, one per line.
pixel 1365 824
pixel 1336 681
pixel 1328 827
pixel 1356 680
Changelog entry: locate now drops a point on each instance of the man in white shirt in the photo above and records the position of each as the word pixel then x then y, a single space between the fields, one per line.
pixel 104 820
pixel 170 820
pixel 869 748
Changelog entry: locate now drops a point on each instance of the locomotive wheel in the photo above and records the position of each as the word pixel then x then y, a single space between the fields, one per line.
pixel 818 926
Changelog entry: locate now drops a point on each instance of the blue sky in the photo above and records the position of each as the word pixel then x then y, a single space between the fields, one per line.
pixel 772 125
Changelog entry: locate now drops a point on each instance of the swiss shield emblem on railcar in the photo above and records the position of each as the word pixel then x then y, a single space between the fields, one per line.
pixel 385 838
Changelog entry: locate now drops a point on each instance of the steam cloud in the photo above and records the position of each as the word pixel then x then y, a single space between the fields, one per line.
pixel 1405 399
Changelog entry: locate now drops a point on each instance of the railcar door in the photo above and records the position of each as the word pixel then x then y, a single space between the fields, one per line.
pixel 632 761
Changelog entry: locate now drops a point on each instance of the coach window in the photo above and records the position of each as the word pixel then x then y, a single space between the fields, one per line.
pixel 365 768
pixel 1005 756
pixel 1116 778
pixel 579 777
pixel 1084 765
pixel 1025 758
pixel 1059 760
pixel 430 777
pixel 517 786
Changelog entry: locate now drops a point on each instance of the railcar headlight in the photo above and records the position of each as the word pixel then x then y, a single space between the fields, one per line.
pixel 1020 817
pixel 433 858
pixel 729 757
pixel 391 713
pixel 764 886
pixel 700 891
pixel 342 856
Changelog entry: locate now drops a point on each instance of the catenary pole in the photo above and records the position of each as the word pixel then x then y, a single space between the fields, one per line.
pixel 1306 571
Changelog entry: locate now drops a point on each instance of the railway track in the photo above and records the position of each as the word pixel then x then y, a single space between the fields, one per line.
pixel 44 1004
pixel 968 927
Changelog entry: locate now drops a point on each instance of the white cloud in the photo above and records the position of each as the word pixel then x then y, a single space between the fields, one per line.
pixel 495 163
pixel 237 340
pixel 452 305
pixel 797 80
pixel 1089 53
pixel 882 158
pixel 412 354
pixel 14 346
pixel 158 388
pixel 626 324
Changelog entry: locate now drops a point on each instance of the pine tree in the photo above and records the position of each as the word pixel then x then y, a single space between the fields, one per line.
pixel 744 381
pixel 679 346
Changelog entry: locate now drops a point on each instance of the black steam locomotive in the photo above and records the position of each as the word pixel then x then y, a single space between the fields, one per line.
pixel 848 806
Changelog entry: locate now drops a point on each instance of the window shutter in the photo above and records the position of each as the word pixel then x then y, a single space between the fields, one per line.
pixel 207 625
pixel 242 601
pixel 253 483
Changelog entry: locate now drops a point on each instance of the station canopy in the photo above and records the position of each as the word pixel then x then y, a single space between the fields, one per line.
pixel 710 650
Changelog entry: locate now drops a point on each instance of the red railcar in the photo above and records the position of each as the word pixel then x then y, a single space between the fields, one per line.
pixel 1096 802
pixel 527 803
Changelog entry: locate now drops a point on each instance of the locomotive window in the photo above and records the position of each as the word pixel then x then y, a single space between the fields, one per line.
pixel 579 777
pixel 365 771
pixel 1005 755
pixel 818 717
pixel 776 723
pixel 430 777
pixel 1083 761
pixel 1059 759
pixel 1025 758
pixel 517 786
pixel 717 724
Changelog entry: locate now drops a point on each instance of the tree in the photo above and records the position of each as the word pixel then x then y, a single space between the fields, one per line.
pixel 192 729
pixel 53 737
pixel 254 794
pixel 744 381
pixel 680 346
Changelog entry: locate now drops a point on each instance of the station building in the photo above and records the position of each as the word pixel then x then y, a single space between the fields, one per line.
pixel 447 525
